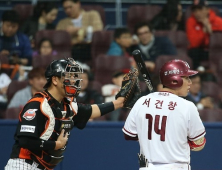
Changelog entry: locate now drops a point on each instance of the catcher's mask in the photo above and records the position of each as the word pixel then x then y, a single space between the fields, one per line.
pixel 70 71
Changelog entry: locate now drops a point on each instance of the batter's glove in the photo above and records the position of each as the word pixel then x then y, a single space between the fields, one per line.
pixel 130 89
pixel 143 162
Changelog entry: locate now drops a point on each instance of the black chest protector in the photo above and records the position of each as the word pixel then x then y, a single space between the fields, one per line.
pixel 62 115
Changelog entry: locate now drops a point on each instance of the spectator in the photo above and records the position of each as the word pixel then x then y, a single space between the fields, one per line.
pixel 152 46
pixel 4 83
pixel 196 96
pixel 80 25
pixel 87 95
pixel 45 48
pixel 14 44
pixel 110 90
pixel 199 26
pixel 36 82
pixel 121 44
pixel 44 15
pixel 170 18
pixel 122 41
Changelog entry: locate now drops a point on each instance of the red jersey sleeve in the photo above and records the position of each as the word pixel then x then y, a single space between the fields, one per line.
pixel 216 23
pixel 195 34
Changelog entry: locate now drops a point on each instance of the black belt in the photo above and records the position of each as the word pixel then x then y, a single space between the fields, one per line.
pixel 29 161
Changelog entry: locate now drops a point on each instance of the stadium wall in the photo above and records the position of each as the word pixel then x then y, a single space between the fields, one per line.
pixel 101 145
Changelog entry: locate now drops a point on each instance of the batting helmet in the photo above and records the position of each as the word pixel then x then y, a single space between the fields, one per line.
pixel 172 71
pixel 69 69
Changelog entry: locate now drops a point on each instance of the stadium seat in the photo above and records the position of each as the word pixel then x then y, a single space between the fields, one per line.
pixel 164 58
pixel 2 113
pixel 98 8
pixel 4 65
pixel 215 47
pixel 178 38
pixel 161 60
pixel 161 33
pixel 101 41
pixel 64 54
pixel 218 73
pixel 211 89
pixel 143 86
pixel 211 115
pixel 105 66
pixel 95 85
pixel 44 61
pixel 14 86
pixel 24 10
pixel 139 13
pixel 215 55
pixel 4 59
pixel 61 39
pixel 12 113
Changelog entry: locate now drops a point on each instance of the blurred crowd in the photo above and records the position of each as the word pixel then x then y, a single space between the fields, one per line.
pixel 28 44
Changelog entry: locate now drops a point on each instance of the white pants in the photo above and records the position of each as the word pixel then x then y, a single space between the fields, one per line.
pixel 20 164
pixel 175 166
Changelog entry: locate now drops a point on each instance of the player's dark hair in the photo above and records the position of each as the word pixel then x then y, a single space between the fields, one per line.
pixel 75 1
pixel 43 7
pixel 36 72
pixel 142 24
pixel 119 31
pixel 10 16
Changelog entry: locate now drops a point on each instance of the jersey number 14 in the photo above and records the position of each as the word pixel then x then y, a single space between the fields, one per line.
pixel 160 131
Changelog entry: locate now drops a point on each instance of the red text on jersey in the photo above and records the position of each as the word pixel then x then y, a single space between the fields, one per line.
pixel 158 131
pixel 159 104
pixel 147 102
pixel 172 105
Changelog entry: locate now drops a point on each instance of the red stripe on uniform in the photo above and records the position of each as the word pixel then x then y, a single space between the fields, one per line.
pixel 129 132
pixel 198 135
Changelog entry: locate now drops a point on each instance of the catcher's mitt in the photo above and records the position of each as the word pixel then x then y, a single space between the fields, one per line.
pixel 130 89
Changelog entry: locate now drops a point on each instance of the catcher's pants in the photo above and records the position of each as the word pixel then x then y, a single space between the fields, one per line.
pixel 174 166
pixel 20 164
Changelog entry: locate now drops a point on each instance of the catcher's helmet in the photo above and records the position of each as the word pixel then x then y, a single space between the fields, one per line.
pixel 172 71
pixel 68 69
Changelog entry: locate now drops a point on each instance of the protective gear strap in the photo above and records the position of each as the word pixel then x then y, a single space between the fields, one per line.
pixel 106 108
pixel 197 145
pixel 36 144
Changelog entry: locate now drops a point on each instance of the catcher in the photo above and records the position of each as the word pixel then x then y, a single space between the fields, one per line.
pixel 46 120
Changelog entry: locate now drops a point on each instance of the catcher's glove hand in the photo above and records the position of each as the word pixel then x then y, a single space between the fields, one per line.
pixel 130 89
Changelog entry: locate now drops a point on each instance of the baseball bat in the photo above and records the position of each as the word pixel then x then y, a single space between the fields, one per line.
pixel 141 66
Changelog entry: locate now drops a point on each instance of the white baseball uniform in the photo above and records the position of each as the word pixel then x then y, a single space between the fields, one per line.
pixel 17 163
pixel 163 123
